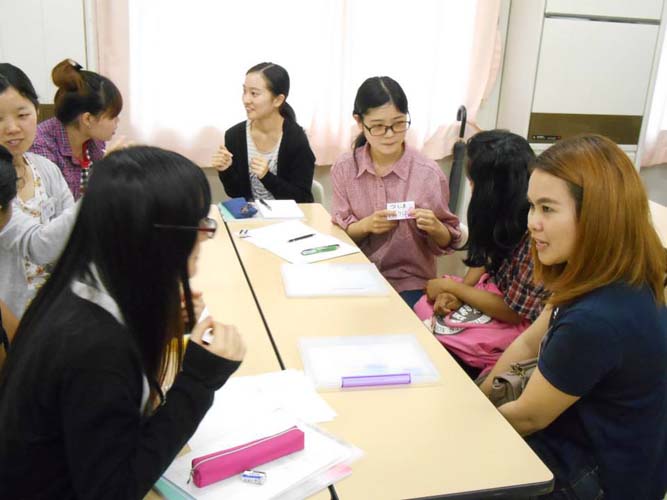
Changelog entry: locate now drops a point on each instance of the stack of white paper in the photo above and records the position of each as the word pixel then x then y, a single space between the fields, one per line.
pixel 298 243
pixel 279 209
pixel 242 398
pixel 304 280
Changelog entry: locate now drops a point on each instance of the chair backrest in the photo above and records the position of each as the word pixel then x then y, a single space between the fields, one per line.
pixel 318 192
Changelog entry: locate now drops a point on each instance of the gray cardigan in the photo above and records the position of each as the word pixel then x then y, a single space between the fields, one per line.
pixel 24 236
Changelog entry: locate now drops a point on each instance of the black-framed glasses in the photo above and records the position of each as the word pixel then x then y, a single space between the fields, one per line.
pixel 207 225
pixel 396 128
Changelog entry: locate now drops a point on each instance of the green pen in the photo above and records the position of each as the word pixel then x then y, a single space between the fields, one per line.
pixel 313 251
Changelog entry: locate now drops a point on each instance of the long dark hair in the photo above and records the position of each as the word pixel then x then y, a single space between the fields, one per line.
pixel 7 179
pixel 80 91
pixel 374 92
pixel 13 77
pixel 277 80
pixel 142 267
pixel 499 167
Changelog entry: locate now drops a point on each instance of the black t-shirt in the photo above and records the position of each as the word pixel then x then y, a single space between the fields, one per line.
pixel 610 349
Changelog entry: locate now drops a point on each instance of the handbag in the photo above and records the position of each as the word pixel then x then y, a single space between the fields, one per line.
pixel 240 208
pixel 509 385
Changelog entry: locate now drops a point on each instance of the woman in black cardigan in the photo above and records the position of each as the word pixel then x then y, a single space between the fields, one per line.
pixel 268 155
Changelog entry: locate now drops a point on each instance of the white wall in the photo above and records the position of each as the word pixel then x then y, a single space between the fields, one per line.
pixel 37 34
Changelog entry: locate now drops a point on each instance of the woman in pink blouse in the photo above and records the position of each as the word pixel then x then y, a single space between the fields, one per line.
pixel 382 169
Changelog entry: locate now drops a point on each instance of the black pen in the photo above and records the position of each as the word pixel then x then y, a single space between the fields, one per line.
pixel 265 204
pixel 301 237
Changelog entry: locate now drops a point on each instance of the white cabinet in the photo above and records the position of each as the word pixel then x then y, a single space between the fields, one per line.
pixel 594 67
pixel 624 9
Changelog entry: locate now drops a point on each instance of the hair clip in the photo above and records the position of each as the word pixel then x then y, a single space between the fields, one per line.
pixel 75 64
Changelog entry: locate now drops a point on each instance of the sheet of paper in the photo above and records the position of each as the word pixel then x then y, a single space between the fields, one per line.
pixel 330 279
pixel 279 209
pixel 287 390
pixel 401 208
pixel 327 360
pixel 291 239
pixel 322 452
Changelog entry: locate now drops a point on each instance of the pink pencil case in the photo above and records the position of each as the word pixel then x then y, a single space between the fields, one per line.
pixel 226 463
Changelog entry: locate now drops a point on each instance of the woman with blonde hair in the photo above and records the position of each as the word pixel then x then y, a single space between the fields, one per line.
pixel 595 408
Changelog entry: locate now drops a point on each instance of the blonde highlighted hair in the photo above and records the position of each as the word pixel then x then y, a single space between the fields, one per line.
pixel 615 240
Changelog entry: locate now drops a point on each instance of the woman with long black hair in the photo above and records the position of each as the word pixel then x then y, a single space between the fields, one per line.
pixel 80 393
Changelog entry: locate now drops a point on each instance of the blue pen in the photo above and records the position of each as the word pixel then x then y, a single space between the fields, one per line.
pixel 313 251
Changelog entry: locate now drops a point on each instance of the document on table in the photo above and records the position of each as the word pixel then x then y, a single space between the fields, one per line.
pixel 294 476
pixel 279 209
pixel 244 397
pixel 329 279
pixel 298 243
pixel 376 359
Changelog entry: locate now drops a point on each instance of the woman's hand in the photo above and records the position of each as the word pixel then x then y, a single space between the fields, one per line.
pixel 427 221
pixel 222 159
pixel 377 222
pixel 446 303
pixel 225 340
pixel 431 225
pixel 120 142
pixel 259 166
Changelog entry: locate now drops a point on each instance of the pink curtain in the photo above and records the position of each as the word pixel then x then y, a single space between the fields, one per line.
pixel 485 67
pixel 330 132
pixel 113 46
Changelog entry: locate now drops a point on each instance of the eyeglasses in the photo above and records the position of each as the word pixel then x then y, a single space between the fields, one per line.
pixel 396 128
pixel 207 225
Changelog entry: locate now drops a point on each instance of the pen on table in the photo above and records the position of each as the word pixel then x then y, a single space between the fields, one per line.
pixel 326 248
pixel 301 237
pixel 265 204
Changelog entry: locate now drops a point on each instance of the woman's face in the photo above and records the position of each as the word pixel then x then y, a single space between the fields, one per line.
pixel 552 220
pixel 194 254
pixel 390 143
pixel 258 100
pixel 101 127
pixel 18 122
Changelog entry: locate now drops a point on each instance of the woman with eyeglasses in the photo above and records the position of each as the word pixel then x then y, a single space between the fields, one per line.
pixel 42 193
pixel 81 391
pixel 382 169
pixel 266 156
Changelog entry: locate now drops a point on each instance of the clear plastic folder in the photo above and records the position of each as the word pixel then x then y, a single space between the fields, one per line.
pixel 366 361
pixel 329 279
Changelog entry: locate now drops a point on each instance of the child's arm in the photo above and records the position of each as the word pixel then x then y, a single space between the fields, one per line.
pixel 487 302
pixel 437 286
pixel 473 275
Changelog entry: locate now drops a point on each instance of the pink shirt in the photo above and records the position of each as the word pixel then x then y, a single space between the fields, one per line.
pixel 406 256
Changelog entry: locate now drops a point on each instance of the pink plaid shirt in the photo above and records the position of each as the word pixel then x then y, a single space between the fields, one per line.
pixel 52 142
pixel 406 256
